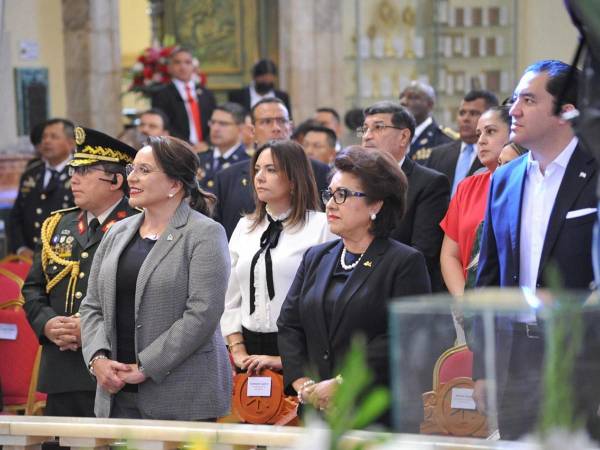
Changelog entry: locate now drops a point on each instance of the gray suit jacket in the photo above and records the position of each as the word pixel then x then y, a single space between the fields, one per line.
pixel 180 296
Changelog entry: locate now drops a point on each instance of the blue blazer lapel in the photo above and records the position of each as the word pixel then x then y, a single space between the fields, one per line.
pixel 570 188
pixel 514 195
pixel 359 275
pixel 322 279
pixel 163 246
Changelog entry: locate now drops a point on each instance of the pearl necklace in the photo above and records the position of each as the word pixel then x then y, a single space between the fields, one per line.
pixel 349 266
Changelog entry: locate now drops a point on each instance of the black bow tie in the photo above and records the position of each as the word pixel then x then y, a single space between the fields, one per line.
pixel 268 240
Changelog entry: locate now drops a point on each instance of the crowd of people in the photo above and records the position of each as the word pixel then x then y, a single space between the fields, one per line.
pixel 229 237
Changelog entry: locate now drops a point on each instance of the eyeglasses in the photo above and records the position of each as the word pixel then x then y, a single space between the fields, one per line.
pixel 268 121
pixel 141 170
pixel 376 128
pixel 83 170
pixel 221 123
pixel 339 195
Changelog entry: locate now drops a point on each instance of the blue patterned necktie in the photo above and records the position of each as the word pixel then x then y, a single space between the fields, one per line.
pixel 462 166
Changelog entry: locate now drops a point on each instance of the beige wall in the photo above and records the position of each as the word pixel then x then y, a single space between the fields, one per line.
pixel 39 21
pixel 545 32
pixel 135 31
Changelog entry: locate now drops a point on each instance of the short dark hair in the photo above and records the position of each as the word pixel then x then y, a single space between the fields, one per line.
pixel 180 49
pixel 302 129
pixel 159 112
pixel 381 179
pixel 264 67
pixel 264 101
pixel 68 126
pixel 290 158
pixel 331 137
pixel 115 168
pixel 238 112
pixel 354 118
pixel 331 111
pixel 401 117
pixel 179 162
pixel 488 97
pixel 558 74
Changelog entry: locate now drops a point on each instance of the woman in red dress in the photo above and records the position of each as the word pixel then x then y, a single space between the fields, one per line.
pixel 467 207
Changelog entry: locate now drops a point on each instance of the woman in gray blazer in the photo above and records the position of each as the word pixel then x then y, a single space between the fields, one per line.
pixel 150 320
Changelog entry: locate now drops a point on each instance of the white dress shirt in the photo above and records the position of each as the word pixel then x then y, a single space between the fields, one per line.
pixel 180 85
pixel 420 128
pixel 539 195
pixel 59 168
pixel 286 258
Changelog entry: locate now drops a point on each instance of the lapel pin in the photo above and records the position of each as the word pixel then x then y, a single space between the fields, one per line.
pixel 582 174
pixel 367 264
pixel 170 237
pixel 244 182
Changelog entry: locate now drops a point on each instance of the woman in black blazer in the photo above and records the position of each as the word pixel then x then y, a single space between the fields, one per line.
pixel 342 288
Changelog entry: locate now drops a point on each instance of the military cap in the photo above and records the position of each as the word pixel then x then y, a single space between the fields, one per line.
pixel 94 147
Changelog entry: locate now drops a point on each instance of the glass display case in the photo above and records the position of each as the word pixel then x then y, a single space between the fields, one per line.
pixel 538 354
pixel 454 45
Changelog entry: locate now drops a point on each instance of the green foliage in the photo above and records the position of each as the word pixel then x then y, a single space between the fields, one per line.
pixel 564 334
pixel 354 404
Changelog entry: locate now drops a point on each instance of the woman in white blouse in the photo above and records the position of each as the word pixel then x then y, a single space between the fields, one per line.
pixel 266 249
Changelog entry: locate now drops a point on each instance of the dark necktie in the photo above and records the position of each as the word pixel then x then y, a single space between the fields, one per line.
pixel 268 240
pixel 92 228
pixel 219 163
pixel 53 181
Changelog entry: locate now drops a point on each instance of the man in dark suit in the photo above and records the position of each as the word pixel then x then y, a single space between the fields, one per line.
pixel 45 186
pixel 233 185
pixel 57 281
pixel 188 106
pixel 419 98
pixel 458 159
pixel 264 74
pixel 389 127
pixel 541 210
pixel 226 126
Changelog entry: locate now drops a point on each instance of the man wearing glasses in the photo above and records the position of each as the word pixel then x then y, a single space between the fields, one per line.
pixel 226 127
pixel 233 186
pixel 57 281
pixel 389 127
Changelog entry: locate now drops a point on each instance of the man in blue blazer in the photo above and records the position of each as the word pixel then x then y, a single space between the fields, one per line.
pixel 270 121
pixel 540 214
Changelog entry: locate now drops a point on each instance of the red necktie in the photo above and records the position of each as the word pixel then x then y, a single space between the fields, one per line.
pixel 196 115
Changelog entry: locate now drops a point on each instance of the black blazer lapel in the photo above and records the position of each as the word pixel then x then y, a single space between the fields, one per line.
pixel 322 279
pixel 578 174
pixel 359 275
pixel 450 160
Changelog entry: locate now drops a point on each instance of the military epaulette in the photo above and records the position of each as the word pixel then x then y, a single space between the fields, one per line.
pixel 422 154
pixel 34 165
pixel 58 211
pixel 450 133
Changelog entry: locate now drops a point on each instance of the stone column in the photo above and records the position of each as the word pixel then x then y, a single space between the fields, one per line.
pixel 93 63
pixel 311 55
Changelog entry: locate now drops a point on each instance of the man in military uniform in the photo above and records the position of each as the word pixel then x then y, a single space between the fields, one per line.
pixel 419 99
pixel 44 187
pixel 57 282
pixel 226 127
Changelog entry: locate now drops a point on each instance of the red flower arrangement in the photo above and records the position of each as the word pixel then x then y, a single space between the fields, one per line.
pixel 150 72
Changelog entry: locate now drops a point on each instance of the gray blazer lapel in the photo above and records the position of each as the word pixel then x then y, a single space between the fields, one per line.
pixel 163 246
